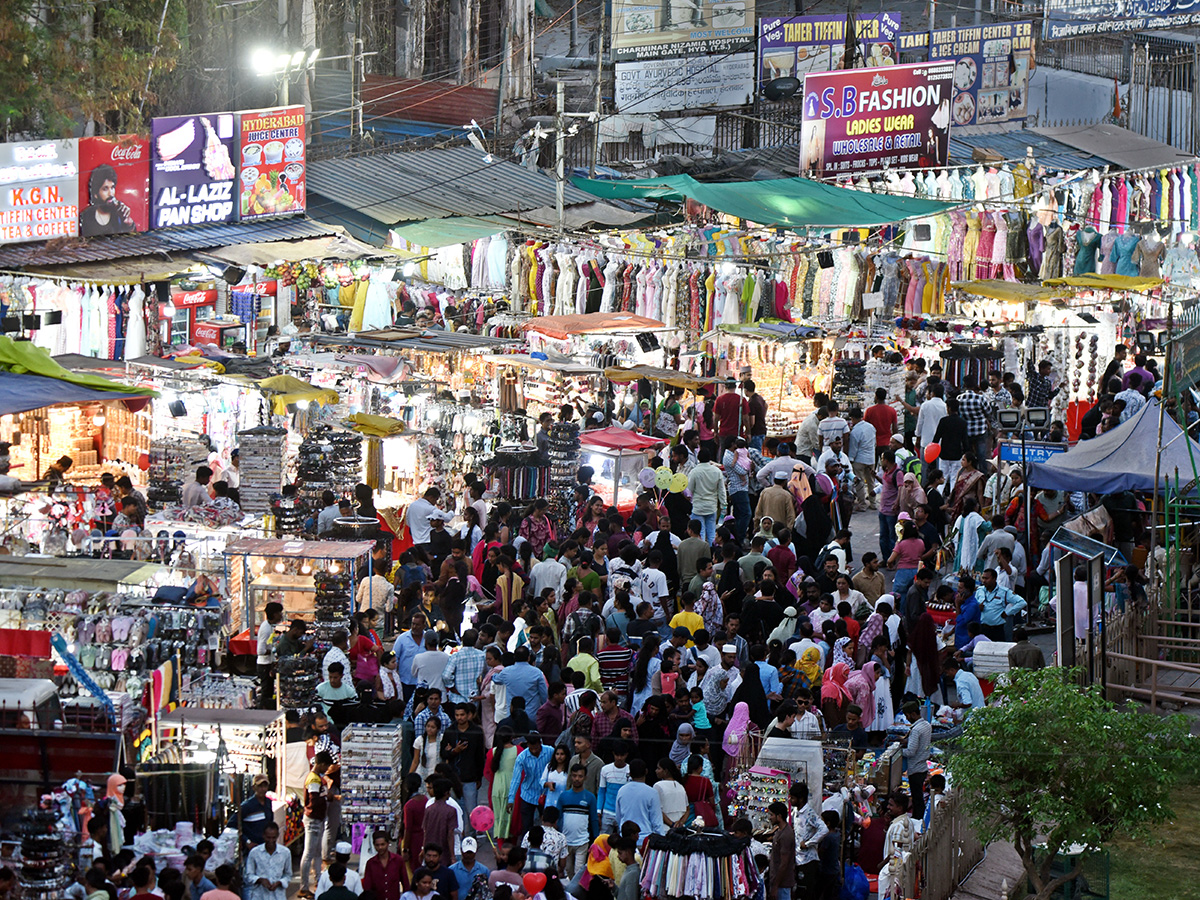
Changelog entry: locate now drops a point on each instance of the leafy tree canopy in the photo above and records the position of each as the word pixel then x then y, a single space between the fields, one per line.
pixel 63 64
pixel 1056 765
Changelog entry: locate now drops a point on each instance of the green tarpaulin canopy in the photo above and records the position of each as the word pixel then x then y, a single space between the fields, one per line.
pixel 23 357
pixel 782 202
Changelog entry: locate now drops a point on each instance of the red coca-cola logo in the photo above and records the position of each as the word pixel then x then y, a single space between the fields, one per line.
pixel 128 151
pixel 206 333
pixel 189 299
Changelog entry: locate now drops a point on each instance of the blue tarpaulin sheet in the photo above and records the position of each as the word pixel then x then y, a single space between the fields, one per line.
pixel 21 393
pixel 1121 459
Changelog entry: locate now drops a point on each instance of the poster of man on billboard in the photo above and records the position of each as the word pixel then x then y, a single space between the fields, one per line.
pixel 863 120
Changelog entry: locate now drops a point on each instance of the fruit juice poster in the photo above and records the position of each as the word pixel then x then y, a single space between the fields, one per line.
pixel 272 158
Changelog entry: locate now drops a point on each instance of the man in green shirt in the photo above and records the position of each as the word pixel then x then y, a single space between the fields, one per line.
pixel 691 550
pixel 753 558
pixel 293 642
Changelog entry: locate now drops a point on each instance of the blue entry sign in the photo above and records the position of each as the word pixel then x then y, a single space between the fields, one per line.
pixel 1035 451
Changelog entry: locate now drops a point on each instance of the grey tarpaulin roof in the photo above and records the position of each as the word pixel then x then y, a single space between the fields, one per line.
pixel 429 184
pixel 1121 459
pixel 400 339
pixel 162 243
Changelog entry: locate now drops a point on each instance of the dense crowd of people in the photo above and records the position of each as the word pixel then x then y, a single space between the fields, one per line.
pixel 566 691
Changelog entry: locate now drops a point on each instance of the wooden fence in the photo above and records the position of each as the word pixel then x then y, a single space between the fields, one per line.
pixel 944 855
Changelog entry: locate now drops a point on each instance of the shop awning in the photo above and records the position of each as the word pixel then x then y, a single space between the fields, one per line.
pixel 1122 459
pixel 298 549
pixel 621 375
pixel 525 361
pixel 337 246
pixel 377 426
pixel 21 392
pixel 287 389
pixel 1012 291
pixel 614 438
pixel 782 202
pixel 1097 282
pixel 22 357
pixel 563 327
pixel 774 331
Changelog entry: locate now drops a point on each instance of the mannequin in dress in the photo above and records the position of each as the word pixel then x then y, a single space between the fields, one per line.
pixel 1087 243
pixel 1149 254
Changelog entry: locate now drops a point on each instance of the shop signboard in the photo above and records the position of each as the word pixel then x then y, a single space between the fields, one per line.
pixel 1033 452
pixel 39 191
pixel 264 288
pixel 192 170
pixel 114 184
pixel 861 120
pixel 272 177
pixel 185 299
pixel 1073 18
pixel 655 85
pixel 683 54
pixel 791 47
pixel 991 68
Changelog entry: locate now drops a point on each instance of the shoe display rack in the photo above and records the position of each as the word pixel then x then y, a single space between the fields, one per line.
pixel 372 780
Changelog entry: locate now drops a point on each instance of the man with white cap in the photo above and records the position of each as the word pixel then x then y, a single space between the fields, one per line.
pixel 468 868
pixel 341 853
pixel 902 455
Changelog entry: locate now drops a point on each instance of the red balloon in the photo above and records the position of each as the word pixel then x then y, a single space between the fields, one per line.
pixel 144 461
pixel 932 452
pixel 534 882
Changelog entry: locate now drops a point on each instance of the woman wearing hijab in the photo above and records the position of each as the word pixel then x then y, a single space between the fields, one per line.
pixel 809 665
pixel 924 661
pixel 834 696
pixel 841 652
pixel 682 748
pixel 786 630
pixel 871 630
pixel 737 734
pixel 861 687
pixel 911 494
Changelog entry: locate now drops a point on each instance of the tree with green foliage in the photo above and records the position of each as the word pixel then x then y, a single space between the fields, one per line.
pixel 1049 764
pixel 63 64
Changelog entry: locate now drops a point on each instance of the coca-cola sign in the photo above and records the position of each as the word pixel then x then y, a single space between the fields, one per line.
pixel 182 299
pixel 114 184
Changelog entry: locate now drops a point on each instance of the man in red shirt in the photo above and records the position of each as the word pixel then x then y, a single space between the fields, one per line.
pixel 383 872
pixel 731 417
pixel 883 418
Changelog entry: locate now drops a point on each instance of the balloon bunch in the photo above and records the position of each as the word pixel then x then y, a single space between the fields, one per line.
pixel 662 479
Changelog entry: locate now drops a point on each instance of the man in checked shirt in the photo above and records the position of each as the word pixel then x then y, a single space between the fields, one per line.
pixel 978 411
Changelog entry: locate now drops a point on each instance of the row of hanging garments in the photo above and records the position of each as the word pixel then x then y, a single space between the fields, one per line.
pixel 1168 197
pixel 1002 182
pixel 103 321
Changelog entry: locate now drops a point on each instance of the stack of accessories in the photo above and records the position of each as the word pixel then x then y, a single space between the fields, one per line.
pixel 757 788
pixel 564 469
pixel 289 520
pixel 333 605
pixel 699 866
pixel 372 776
pixel 45 862
pixel 849 381
pixel 328 460
pixel 260 475
pixel 298 677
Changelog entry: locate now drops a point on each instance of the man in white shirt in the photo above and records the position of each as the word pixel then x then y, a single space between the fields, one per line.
pixel 548 573
pixel 831 426
pixel 421 511
pixel 931 412
pixel 195 493
pixel 272 616
pixel 337 653
pixel 233 475
pixel 654 587
pixel 786 461
pixel 341 852
pixel 833 450
pixel 268 868
pixel 333 509
pixel 429 665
